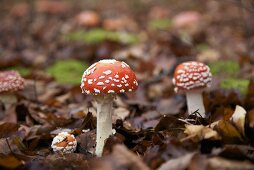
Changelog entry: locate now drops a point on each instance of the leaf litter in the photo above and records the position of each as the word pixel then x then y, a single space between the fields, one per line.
pixel 152 129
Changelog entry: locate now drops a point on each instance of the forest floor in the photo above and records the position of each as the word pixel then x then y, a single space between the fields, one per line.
pixel 51 46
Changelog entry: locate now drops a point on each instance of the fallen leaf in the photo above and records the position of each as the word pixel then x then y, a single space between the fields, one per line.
pixel 222 163
pixel 180 163
pixel 8 129
pixel 121 112
pixel 9 162
pixel 238 118
pixel 164 123
pixel 237 152
pixel 199 132
pixel 170 106
pixel 66 161
pixel 121 158
pixel 228 132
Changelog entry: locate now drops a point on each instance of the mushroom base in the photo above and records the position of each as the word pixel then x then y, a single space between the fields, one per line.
pixel 195 103
pixel 104 121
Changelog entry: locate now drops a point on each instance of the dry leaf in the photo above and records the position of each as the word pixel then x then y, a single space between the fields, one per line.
pixel 121 158
pixel 199 132
pixel 195 161
pixel 238 118
pixel 221 163
pixel 228 132
pixel 9 162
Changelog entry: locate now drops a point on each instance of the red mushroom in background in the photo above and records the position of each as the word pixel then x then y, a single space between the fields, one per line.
pixel 10 82
pixel 88 18
pixel 104 80
pixel 192 78
pixel 186 19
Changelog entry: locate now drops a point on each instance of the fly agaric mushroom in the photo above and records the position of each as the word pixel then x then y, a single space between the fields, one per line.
pixel 10 82
pixel 104 80
pixel 64 142
pixel 192 77
pixel 88 18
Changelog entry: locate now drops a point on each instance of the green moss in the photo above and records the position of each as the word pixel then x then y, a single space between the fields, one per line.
pixel 202 47
pixel 159 24
pixel 22 70
pixel 95 36
pixel 226 67
pixel 67 71
pixel 234 83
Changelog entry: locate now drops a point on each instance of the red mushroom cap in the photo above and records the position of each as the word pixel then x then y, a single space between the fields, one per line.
pixel 88 18
pixel 191 75
pixel 10 81
pixel 108 76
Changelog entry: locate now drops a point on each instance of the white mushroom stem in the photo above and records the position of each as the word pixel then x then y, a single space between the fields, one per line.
pixel 8 99
pixel 195 103
pixel 104 121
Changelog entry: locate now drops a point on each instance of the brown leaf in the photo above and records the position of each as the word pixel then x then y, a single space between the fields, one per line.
pixel 199 132
pixel 121 158
pixel 9 162
pixel 170 106
pixel 8 129
pixel 221 163
pixel 180 163
pixel 67 161
pixel 228 132
pixel 164 123
pixel 87 142
pixel 239 152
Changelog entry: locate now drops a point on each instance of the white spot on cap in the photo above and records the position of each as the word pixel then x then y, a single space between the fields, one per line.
pixel 107 72
pixel 100 83
pixel 126 76
pixel 90 81
pixel 122 90
pixel 96 90
pixel 111 91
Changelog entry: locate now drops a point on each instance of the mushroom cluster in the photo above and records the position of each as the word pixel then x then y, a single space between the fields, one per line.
pixel 192 78
pixel 104 79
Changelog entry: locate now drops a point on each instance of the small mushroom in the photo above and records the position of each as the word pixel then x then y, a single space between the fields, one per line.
pixel 88 18
pixel 64 142
pixel 192 78
pixel 10 82
pixel 104 80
